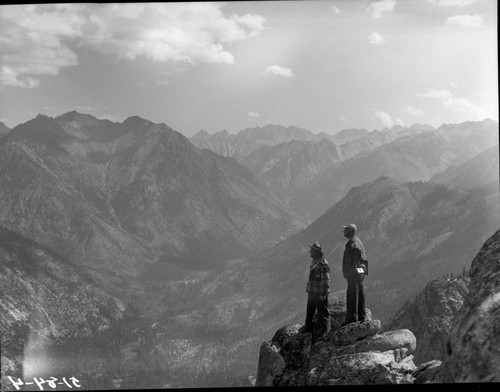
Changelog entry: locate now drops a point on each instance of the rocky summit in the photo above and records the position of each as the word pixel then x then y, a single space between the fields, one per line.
pixel 357 353
pixel 362 353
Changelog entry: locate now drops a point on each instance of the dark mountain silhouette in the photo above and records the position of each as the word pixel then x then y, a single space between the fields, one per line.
pixel 482 170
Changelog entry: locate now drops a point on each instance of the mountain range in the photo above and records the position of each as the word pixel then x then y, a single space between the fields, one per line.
pixel 408 158
pixel 114 195
pixel 313 172
pixel 99 216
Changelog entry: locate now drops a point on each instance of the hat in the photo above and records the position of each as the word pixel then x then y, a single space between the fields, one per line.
pixel 351 226
pixel 316 246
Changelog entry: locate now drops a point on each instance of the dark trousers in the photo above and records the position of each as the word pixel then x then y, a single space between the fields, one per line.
pixel 315 304
pixel 355 299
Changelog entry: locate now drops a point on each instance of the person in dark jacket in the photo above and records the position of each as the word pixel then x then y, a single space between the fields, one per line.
pixel 318 287
pixel 354 269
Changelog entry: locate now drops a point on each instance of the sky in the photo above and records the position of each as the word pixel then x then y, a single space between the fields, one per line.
pixel 319 65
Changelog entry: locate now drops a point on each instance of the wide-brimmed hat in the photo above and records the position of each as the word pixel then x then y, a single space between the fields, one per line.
pixel 351 226
pixel 318 246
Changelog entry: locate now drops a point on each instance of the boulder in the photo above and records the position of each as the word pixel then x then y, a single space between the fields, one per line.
pixel 426 372
pixel 352 354
pixel 431 314
pixel 362 368
pixel 284 360
pixel 271 365
pixel 352 332
pixel 402 341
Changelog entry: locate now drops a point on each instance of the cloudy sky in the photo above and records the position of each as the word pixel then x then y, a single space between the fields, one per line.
pixel 321 65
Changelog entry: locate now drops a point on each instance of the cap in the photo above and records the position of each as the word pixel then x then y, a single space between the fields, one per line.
pixel 316 246
pixel 351 226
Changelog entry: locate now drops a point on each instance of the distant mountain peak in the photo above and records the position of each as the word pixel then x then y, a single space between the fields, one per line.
pixel 74 115
pixel 43 117
pixel 135 120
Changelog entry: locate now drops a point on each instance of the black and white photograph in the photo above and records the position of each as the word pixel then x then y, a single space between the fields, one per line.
pixel 240 194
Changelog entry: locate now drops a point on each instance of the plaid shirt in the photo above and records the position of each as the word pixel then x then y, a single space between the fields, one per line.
pixel 319 277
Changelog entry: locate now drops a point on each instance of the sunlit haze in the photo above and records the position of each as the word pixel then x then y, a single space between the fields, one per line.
pixel 320 65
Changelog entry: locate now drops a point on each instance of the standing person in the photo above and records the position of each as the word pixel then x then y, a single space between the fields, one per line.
pixel 354 269
pixel 318 287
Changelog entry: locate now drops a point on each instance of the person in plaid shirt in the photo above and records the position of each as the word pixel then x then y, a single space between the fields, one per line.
pixel 318 287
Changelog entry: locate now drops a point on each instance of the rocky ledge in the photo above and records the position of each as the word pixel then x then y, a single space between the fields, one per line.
pixel 353 354
pixel 360 353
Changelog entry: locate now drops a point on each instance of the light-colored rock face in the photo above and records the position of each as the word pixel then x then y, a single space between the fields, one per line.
pixel 475 335
pixel 352 354
pixel 431 314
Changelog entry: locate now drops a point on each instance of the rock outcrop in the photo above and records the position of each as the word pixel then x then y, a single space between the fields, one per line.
pixel 474 345
pixel 353 354
pixel 431 314
pixel 361 353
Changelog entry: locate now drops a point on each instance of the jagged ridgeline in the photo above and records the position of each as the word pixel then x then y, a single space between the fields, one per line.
pixel 136 259
pixel 314 171
pixel 115 195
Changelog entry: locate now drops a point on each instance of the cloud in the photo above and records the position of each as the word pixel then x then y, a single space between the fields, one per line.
pixel 377 8
pixel 336 10
pixel 458 105
pixel 252 114
pixel 453 3
pixel 376 39
pixel 190 32
pixel 42 39
pixel 465 20
pixel 33 41
pixel 417 112
pixel 387 119
pixel 279 71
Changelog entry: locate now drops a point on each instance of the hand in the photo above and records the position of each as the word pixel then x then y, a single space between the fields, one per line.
pixel 322 297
